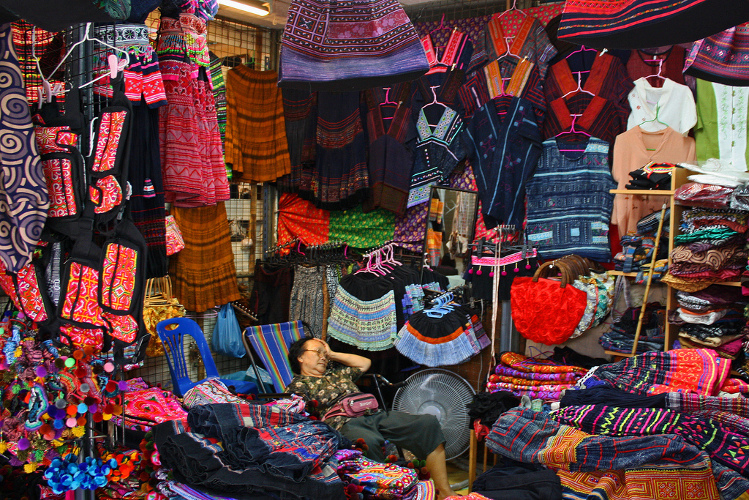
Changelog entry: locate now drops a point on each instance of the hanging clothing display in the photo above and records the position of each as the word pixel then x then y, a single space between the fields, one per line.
pixel 324 48
pixel 505 146
pixel 300 115
pixel 271 293
pixel 390 158
pixel 23 194
pixel 219 93
pixel 667 63
pixel 440 146
pixel 569 204
pixel 142 75
pixel 206 233
pixel 192 159
pixel 722 57
pixel 599 99
pixel 634 149
pixel 655 108
pixel 147 199
pixel 721 131
pixel 307 302
pixel 339 179
pixel 529 42
pixel 256 144
pixel 637 24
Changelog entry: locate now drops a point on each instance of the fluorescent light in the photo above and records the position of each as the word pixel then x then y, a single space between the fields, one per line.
pixel 251 6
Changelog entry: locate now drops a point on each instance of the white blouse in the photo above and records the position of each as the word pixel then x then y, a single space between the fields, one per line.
pixel 655 108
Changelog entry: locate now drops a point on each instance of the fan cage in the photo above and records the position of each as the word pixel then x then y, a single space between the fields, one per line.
pixel 445 395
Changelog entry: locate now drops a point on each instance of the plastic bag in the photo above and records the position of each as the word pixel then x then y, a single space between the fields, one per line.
pixel 227 336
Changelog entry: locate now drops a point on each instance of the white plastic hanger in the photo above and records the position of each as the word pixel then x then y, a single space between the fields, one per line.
pixel 86 38
pixel 579 87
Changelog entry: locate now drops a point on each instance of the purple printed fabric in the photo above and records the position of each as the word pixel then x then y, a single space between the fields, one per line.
pixel 24 200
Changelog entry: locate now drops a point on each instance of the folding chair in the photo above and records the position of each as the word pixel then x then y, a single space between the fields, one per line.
pixel 271 343
pixel 174 344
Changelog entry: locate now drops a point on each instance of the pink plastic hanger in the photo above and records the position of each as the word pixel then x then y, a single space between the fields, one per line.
pixel 572 130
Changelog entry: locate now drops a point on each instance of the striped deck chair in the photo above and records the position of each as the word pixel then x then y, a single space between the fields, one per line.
pixel 271 343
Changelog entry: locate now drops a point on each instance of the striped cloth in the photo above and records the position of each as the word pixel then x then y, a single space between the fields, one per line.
pixel 722 57
pixel 639 24
pixel 204 272
pixel 700 371
pixel 569 204
pixel 219 93
pixel 664 466
pixel 724 444
pixel 271 344
pixel 256 143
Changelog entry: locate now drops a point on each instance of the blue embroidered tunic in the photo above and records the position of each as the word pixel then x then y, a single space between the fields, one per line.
pixel 569 204
pixel 506 144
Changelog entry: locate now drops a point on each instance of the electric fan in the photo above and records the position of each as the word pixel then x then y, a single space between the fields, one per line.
pixel 441 393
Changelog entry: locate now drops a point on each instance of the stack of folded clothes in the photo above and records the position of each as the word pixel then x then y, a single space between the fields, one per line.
pixel 536 378
pixel 651 176
pixel 711 318
pixel 637 248
pixel 710 248
pixel 621 337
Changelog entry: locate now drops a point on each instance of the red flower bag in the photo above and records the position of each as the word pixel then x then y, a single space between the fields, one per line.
pixel 547 310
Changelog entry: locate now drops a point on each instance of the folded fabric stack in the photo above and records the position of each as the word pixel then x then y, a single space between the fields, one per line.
pixel 146 406
pixel 651 176
pixel 621 337
pixel 374 479
pixel 637 250
pixel 535 378
pixel 710 248
pixel 711 318
pixel 699 194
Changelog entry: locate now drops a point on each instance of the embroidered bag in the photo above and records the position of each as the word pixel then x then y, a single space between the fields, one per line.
pixel 174 240
pixel 58 137
pixel 108 164
pixel 79 302
pixel 122 288
pixel 352 405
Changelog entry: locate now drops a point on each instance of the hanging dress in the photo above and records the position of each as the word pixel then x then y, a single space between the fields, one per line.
pixel 340 178
pixel 390 158
pixel 505 145
pixel 190 143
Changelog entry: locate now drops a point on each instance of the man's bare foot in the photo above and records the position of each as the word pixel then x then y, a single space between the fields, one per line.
pixel 442 496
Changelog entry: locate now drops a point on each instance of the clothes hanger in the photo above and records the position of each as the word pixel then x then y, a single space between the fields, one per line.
pixel 513 8
pixel 88 38
pixel 582 48
pixel 572 130
pixel 655 118
pixel 579 87
pixel 660 69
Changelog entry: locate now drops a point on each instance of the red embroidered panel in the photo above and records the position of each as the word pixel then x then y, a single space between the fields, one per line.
pixel 50 139
pixel 118 279
pixel 106 195
pixel 81 297
pixel 59 175
pixel 110 131
pixel 30 295
pixel 123 328
pixel 82 337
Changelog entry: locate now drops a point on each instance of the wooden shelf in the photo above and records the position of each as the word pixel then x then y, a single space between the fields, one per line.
pixel 622 273
pixel 622 354
pixel 728 283
pixel 651 192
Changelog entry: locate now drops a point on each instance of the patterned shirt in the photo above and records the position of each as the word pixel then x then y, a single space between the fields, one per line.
pixel 338 381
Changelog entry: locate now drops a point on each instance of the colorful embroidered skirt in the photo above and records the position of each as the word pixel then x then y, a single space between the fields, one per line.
pixel 349 45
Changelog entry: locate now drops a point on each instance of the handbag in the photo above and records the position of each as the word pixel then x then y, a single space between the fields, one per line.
pixel 174 240
pixel 547 310
pixel 227 336
pixel 159 304
pixel 349 45
pixel 352 405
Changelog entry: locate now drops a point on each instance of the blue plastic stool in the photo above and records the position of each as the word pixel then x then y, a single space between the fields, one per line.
pixel 173 340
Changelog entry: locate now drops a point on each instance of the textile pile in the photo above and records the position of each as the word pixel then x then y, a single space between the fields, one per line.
pixel 624 432
pixel 535 378
pixel 621 336
pixel 710 248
